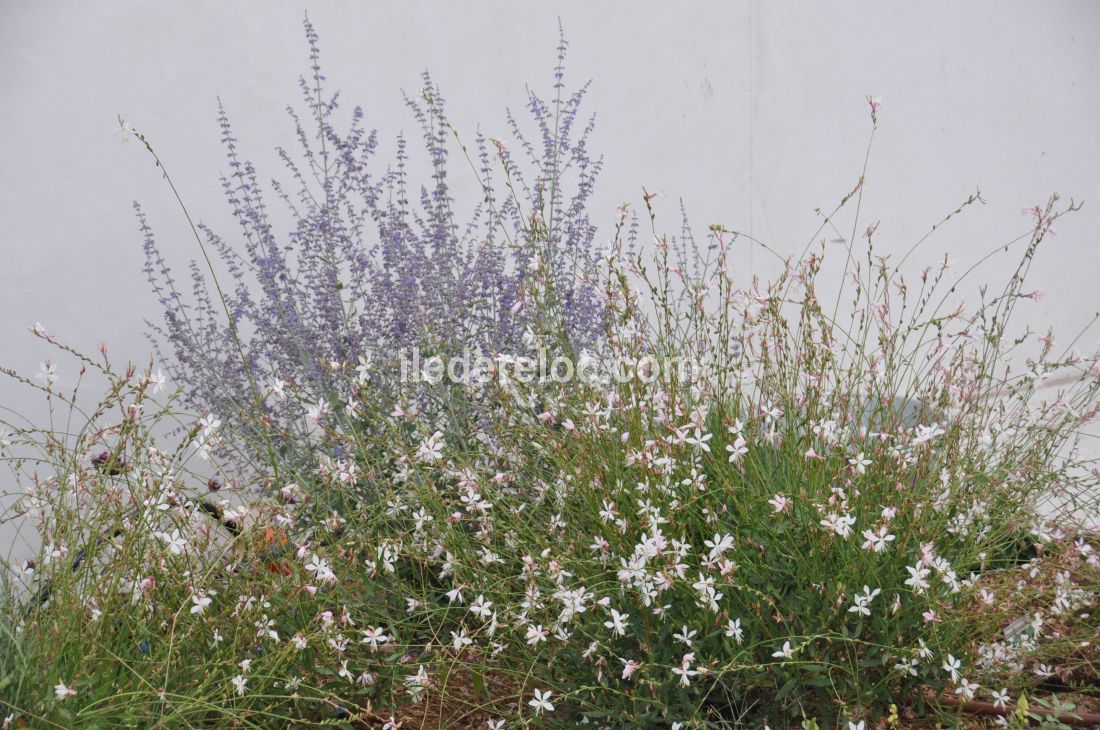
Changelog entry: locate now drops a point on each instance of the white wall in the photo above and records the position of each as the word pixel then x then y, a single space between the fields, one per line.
pixel 753 112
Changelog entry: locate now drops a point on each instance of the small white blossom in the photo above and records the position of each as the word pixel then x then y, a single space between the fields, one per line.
pixel 174 541
pixel 862 604
pixel 62 691
pixel 201 601
pixel 859 463
pixel 47 373
pixel 541 703
pixel 618 623
pixel 431 449
pixel 952 666
pixel 877 541
pixel 684 671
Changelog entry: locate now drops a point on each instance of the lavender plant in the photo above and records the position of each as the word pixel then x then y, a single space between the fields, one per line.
pixel 376 262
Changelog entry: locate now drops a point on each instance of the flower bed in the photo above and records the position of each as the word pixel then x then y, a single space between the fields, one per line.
pixel 662 500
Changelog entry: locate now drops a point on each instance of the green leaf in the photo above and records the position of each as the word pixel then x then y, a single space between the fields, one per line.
pixel 479 685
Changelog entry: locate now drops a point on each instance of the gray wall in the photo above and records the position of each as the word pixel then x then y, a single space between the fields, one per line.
pixel 752 112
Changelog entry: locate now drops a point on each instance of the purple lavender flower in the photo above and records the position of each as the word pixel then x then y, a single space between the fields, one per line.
pixel 374 262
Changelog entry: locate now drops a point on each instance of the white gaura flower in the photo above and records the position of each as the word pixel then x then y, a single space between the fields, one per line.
pixel 840 524
pixel 966 689
pixel 737 449
pixel 174 541
pixel 925 434
pixel 277 388
pixel 734 630
pixel 826 430
pixel 542 702
pixel 316 412
pixel 607 512
pixel 125 130
pixel 699 440
pixel 685 636
pixel 417 683
pixel 877 541
pixel 62 690
pixel 321 569
pixel 618 623
pixel 684 671
pixel 907 666
pixel 771 412
pixel 917 579
pixel 481 607
pixel 785 653
pixel 779 503
pixel 460 640
pixel 47 373
pixel 157 380
pixel 862 603
pixel 201 601
pixel 375 637
pixel 574 602
pixel 952 666
pixel 719 545
pixel 362 370
pixel 536 633
pixel 241 684
pixel 209 425
pixel 431 449
pixel 859 463
pixel 708 594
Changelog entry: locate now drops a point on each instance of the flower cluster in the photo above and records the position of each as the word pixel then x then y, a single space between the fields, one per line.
pixel 376 261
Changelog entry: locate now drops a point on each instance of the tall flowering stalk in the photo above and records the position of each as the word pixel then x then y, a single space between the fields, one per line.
pixel 376 262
